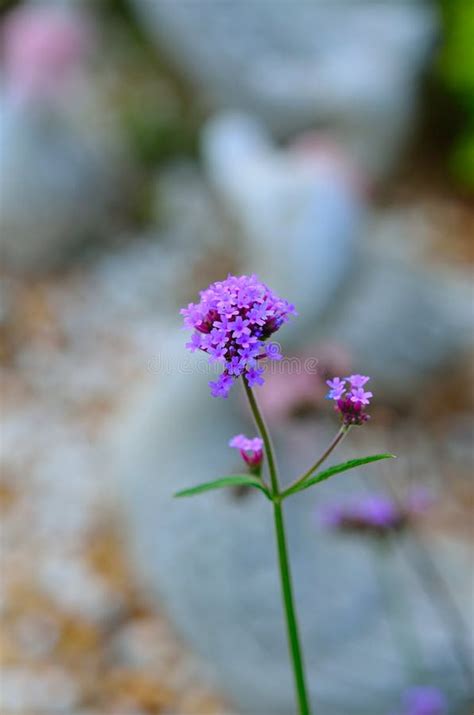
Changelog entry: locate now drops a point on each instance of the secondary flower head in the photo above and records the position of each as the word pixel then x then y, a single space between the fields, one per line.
pixel 425 700
pixel 251 450
pixel 351 398
pixel 231 323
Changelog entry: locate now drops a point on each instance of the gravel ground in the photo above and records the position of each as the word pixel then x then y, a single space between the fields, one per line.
pixel 78 636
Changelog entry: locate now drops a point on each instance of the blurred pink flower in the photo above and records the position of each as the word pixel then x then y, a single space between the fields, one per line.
pixel 297 384
pixel 42 45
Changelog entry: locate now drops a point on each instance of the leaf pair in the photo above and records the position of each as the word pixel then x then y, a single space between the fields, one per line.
pixel 250 481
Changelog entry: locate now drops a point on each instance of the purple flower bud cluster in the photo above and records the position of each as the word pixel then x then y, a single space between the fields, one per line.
pixel 350 398
pixel 231 323
pixel 376 514
pixel 251 450
pixel 425 700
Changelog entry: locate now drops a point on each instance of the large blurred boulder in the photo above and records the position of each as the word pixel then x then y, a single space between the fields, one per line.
pixel 63 164
pixel 362 283
pixel 407 324
pixel 211 560
pixel 351 67
pixel 301 210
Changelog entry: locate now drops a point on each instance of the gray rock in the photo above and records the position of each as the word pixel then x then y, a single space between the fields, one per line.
pixel 352 67
pixel 300 210
pixel 211 560
pixel 63 161
pixel 50 173
pixel 402 320
pixel 364 285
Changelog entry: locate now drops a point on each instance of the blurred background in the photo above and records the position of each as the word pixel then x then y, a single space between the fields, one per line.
pixel 147 148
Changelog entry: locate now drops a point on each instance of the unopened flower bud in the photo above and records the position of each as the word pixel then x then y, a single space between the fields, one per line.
pixel 251 450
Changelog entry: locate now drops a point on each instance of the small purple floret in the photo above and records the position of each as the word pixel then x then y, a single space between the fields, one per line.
pixel 221 386
pixel 358 395
pixel 272 351
pixel 231 323
pixel 337 388
pixel 254 376
pixel 357 380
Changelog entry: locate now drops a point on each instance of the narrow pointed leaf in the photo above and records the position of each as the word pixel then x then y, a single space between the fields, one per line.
pixel 336 469
pixel 235 480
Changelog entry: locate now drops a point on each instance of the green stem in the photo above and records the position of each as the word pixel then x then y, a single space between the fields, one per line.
pixel 337 440
pixel 265 435
pixel 285 573
pixel 291 622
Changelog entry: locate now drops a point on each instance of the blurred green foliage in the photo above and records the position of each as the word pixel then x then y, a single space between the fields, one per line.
pixel 456 69
pixel 7 5
pixel 158 111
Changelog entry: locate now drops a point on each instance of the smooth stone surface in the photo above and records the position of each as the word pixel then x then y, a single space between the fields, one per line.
pixel 404 321
pixel 358 282
pixel 301 212
pixel 61 179
pixel 349 67
pixel 210 560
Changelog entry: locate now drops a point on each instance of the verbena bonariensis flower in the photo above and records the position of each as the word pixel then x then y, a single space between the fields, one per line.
pixel 251 450
pixel 376 514
pixel 425 700
pixel 232 323
pixel 350 397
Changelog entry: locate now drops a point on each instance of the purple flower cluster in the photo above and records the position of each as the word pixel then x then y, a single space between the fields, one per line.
pixel 231 323
pixel 251 450
pixel 351 398
pixel 425 700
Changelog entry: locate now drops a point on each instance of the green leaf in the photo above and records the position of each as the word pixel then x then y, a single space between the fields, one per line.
pixel 336 469
pixel 235 480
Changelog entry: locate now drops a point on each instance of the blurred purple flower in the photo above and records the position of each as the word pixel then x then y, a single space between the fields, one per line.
pixel 301 392
pixel 419 499
pixel 231 322
pixel 370 513
pixel 425 700
pixel 374 514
